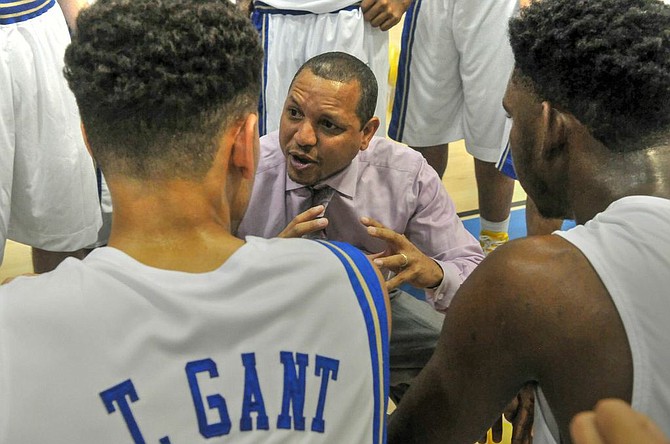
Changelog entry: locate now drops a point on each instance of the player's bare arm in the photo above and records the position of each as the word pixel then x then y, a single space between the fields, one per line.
pixel 536 331
pixel 71 9
pixel 245 6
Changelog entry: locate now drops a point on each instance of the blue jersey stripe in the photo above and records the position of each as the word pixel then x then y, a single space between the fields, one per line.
pixel 371 300
pixel 260 21
pixel 21 10
pixel 399 111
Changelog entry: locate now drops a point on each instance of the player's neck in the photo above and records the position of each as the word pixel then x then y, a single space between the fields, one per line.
pixel 175 225
pixel 637 173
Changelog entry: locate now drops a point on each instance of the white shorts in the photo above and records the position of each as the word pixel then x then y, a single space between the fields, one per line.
pixel 454 65
pixel 48 189
pixel 290 39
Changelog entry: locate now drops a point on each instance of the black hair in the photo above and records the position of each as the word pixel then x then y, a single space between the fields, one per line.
pixel 156 81
pixel 605 61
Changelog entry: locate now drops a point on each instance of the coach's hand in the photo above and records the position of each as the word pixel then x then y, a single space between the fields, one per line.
pixel 305 223
pixel 402 257
pixel 384 14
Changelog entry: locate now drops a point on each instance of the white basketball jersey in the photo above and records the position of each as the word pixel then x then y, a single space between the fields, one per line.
pixel 286 342
pixel 628 245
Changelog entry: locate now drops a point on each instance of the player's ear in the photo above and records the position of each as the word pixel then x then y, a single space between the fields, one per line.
pixel 85 136
pixel 369 130
pixel 555 123
pixel 245 146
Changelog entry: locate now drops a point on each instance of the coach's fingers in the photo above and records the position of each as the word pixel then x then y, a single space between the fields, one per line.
pixel 404 258
pixel 376 229
pixel 305 223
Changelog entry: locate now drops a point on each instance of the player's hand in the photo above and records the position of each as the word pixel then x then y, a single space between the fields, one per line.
pixel 305 223
pixel 613 421
pixel 384 14
pixel 520 413
pixel 402 257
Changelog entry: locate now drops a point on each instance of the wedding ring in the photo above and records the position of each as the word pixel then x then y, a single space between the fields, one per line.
pixel 404 264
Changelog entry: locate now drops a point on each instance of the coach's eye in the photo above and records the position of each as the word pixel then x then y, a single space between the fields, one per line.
pixel 294 113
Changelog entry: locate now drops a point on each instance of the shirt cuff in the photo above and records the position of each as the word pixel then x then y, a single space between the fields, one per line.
pixel 440 297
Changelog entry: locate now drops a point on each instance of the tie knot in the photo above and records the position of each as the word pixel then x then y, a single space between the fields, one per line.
pixel 321 195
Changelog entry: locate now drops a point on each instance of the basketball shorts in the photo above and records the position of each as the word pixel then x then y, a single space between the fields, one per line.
pixel 455 61
pixel 48 190
pixel 291 37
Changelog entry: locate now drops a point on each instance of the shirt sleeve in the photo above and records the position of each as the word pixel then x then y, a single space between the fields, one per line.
pixel 438 232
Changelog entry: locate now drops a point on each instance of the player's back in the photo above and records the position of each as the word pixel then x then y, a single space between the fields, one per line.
pixel 628 246
pixel 286 342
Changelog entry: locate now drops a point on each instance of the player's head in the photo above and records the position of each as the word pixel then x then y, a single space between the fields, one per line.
pixel 607 62
pixel 328 116
pixel 597 71
pixel 158 81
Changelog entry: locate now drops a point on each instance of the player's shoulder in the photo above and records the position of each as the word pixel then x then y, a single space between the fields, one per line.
pixel 348 254
pixel 326 261
pixel 533 272
pixel 48 290
pixel 519 255
pixel 534 289
pixel 307 250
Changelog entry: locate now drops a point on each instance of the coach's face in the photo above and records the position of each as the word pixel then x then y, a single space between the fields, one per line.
pixel 319 132
pixel 539 161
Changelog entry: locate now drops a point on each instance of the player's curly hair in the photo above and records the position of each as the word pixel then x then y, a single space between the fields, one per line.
pixel 157 81
pixel 605 61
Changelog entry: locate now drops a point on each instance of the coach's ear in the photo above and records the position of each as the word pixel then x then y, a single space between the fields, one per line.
pixel 369 130
pixel 246 146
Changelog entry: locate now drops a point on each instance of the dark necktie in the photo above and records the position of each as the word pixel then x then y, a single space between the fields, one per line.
pixel 321 195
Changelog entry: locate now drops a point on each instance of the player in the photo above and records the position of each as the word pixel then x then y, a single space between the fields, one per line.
pixel 293 31
pixel 581 314
pixel 178 331
pixel 454 64
pixel 48 191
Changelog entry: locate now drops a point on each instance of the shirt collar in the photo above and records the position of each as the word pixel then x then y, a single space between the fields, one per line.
pixel 343 182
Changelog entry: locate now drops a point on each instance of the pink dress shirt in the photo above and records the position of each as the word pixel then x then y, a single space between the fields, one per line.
pixel 389 182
